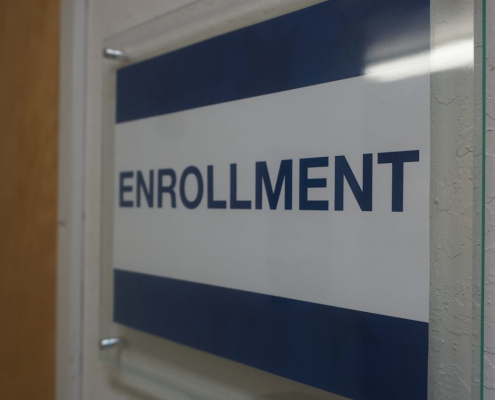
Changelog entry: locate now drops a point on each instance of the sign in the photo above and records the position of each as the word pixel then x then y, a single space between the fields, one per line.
pixel 271 197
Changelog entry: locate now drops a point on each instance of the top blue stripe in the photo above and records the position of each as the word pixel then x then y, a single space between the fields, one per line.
pixel 323 43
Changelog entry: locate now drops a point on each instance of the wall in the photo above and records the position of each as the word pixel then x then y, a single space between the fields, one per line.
pixel 452 225
pixel 453 236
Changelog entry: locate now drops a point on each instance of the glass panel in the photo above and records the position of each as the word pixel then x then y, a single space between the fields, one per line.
pixel 295 208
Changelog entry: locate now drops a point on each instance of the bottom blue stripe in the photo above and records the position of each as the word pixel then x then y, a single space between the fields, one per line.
pixel 355 354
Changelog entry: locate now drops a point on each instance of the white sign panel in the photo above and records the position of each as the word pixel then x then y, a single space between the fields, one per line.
pixel 272 199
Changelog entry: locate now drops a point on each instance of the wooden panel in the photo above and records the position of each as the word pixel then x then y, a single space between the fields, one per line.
pixel 29 46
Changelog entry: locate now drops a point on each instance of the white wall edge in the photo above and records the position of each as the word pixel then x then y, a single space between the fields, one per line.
pixel 69 358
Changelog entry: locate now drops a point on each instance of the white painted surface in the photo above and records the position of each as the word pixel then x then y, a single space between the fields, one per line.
pixel 70 200
pixel 451 206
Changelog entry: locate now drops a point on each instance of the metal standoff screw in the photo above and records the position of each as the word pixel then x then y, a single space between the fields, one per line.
pixel 114 54
pixel 109 343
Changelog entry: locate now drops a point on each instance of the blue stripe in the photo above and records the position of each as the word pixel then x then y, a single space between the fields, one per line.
pixel 323 43
pixel 358 355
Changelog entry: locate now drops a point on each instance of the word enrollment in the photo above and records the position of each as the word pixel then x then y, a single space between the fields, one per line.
pixel 138 189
